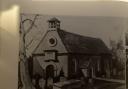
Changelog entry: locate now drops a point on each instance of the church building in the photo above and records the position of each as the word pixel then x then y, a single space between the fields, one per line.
pixel 62 53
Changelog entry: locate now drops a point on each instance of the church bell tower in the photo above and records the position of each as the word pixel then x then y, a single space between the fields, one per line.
pixel 54 24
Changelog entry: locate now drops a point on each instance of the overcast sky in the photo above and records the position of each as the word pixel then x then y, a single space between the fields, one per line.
pixel 105 28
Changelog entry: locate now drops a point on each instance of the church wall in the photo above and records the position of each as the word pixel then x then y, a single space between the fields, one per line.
pixel 37 65
pixel 64 62
pixel 39 62
pixel 59 47
pixel 45 45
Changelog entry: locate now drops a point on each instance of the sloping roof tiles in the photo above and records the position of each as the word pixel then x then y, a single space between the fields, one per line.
pixel 75 43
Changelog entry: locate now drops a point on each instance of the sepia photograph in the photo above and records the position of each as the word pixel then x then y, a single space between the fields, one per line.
pixel 72 52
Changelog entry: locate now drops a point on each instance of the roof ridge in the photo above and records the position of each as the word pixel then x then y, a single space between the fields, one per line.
pixel 78 34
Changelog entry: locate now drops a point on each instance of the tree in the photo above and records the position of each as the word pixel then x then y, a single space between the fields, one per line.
pixel 24 77
pixel 118 56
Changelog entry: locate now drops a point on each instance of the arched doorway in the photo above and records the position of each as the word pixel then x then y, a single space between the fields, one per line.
pixel 50 71
pixel 49 76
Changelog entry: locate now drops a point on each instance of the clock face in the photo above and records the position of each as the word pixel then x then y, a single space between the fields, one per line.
pixel 52 41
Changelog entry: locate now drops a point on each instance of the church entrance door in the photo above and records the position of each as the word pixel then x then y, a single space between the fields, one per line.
pixel 49 76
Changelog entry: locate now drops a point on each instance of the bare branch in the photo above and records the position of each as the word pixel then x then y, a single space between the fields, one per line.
pixel 29 43
pixel 32 23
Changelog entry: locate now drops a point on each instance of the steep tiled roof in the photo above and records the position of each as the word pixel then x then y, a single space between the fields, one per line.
pixel 75 43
